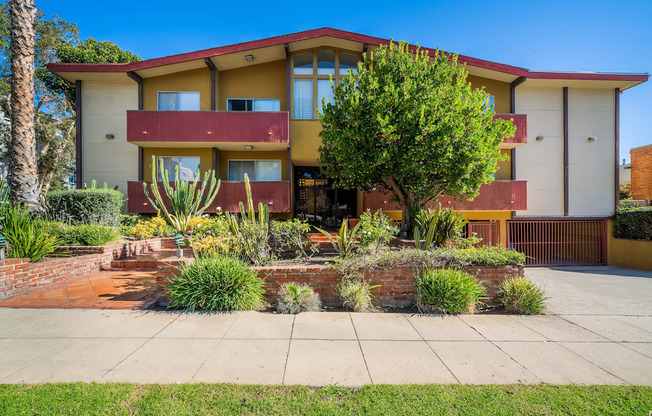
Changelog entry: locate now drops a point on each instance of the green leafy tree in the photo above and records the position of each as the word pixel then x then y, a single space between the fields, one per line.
pixel 411 125
pixel 54 99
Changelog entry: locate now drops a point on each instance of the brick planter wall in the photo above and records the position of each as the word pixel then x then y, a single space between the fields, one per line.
pixel 20 275
pixel 397 285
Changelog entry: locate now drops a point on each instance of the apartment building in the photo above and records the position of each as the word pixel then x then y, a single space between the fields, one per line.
pixel 253 108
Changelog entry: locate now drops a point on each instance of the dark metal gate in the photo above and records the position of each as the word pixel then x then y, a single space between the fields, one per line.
pixel 559 243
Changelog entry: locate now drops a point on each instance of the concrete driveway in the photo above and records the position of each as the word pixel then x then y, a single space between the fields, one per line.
pixel 590 339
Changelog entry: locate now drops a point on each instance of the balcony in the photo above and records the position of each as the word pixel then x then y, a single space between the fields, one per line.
pixel 520 136
pixel 276 194
pixel 494 196
pixel 151 128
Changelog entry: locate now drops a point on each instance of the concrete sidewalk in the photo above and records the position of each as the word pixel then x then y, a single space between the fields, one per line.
pixel 350 349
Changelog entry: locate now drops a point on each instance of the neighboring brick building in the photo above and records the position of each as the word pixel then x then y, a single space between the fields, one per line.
pixel 641 172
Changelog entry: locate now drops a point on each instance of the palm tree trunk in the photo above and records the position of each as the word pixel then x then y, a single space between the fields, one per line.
pixel 23 175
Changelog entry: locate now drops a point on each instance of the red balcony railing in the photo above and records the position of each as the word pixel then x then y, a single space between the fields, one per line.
pixel 276 194
pixel 208 126
pixel 520 121
pixel 494 196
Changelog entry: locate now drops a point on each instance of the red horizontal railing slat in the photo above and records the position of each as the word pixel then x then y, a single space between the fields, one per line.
pixel 494 196
pixel 276 194
pixel 520 121
pixel 208 126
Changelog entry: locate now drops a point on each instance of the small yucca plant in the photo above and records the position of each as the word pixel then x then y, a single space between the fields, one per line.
pixel 297 297
pixel 346 241
pixel 522 296
pixel 448 291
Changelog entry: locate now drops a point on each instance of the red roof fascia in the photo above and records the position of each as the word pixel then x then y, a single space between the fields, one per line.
pixel 336 33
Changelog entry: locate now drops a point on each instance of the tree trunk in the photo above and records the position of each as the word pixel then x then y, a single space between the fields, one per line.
pixel 23 175
pixel 405 200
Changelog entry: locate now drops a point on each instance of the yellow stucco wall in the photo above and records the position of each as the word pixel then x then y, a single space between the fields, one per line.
pixel 632 254
pixel 205 157
pixel 257 81
pixel 504 172
pixel 500 90
pixel 195 80
pixel 305 141
pixel 223 158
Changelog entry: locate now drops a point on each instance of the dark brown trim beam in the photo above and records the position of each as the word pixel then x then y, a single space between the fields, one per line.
pixel 139 80
pixel 78 133
pixel 365 47
pixel 555 218
pixel 141 158
pixel 565 123
pixel 214 162
pixel 617 147
pixel 211 66
pixel 512 91
pixel 512 109
pixel 288 80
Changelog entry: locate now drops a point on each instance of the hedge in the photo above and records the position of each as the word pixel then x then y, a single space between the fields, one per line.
pixel 85 206
pixel 633 223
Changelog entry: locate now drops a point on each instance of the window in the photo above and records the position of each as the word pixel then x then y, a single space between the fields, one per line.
pixel 178 101
pixel 491 101
pixel 324 91
pixel 303 64
pixel 326 62
pixel 311 79
pixel 348 61
pixel 303 105
pixel 253 104
pixel 188 167
pixel 257 170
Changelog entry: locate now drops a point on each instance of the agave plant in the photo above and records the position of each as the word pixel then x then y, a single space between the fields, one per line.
pixel 186 202
pixel 346 241
pixel 435 227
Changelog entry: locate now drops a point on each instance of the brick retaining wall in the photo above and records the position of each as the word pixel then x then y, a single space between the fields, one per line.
pixel 397 285
pixel 20 275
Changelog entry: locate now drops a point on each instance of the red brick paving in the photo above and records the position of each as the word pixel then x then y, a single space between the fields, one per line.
pixel 121 289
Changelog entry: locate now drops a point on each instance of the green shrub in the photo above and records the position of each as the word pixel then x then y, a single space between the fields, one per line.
pixel 292 236
pixel 522 296
pixel 85 206
pixel 218 283
pixel 149 228
pixel 26 235
pixel 437 258
pixel 297 297
pixel 436 227
pixel 633 222
pixel 375 230
pixel 448 291
pixel 252 243
pixel 82 235
pixel 356 295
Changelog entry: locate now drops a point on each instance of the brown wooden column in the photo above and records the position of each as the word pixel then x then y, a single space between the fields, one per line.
pixel 78 134
pixel 211 66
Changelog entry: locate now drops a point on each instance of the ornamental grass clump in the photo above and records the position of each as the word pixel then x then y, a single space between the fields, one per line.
pixel 522 296
pixel 449 291
pixel 356 295
pixel 82 235
pixel 26 235
pixel 217 283
pixel 297 297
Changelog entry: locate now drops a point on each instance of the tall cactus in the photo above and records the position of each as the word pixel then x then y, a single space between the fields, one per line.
pixel 186 202
pixel 249 214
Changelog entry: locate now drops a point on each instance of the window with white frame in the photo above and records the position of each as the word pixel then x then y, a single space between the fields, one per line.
pixel 257 170
pixel 188 167
pixel 253 104
pixel 311 79
pixel 178 101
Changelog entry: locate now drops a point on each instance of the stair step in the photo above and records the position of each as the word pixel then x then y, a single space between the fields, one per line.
pixel 133 264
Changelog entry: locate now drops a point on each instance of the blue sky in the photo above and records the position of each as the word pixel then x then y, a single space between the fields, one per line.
pixel 570 35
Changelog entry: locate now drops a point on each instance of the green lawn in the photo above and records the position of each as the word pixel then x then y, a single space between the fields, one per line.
pixel 226 399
